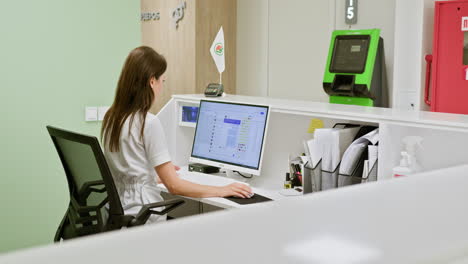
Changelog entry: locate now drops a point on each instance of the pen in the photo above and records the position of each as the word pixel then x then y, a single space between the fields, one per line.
pixel 299 177
pixel 293 169
pixel 298 168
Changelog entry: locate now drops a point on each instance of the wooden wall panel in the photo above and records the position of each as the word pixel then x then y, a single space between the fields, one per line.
pixel 187 49
pixel 177 46
pixel 211 15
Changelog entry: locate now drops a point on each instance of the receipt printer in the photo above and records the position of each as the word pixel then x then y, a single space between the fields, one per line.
pixel 355 71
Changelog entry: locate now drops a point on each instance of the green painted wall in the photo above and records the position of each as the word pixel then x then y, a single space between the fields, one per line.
pixel 56 57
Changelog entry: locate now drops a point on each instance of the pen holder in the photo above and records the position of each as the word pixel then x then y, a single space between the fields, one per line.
pixel 312 178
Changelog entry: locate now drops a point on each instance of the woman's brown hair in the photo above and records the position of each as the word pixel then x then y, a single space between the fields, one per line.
pixel 134 95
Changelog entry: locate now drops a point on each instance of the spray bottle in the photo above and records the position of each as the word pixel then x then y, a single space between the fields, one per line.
pixel 403 169
pixel 408 162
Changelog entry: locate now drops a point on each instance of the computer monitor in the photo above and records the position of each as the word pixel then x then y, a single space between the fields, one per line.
pixel 230 135
pixel 350 54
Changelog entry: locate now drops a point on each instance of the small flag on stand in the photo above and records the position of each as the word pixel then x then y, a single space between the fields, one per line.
pixel 217 52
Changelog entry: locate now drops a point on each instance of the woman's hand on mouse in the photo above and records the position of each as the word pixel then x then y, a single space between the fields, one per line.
pixel 237 190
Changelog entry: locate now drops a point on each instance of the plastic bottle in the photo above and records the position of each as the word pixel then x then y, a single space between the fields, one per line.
pixel 408 163
pixel 287 182
pixel 403 169
pixel 411 144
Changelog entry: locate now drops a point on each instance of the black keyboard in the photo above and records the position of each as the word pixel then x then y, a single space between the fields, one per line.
pixel 256 198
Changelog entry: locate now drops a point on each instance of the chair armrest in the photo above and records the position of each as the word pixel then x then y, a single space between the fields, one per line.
pixel 89 187
pixel 146 211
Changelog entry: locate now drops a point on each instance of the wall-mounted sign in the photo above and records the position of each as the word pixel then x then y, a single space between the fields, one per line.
pixel 147 16
pixel 351 11
pixel 178 14
pixel 464 23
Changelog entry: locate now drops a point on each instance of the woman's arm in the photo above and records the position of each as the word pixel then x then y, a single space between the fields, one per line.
pixel 178 186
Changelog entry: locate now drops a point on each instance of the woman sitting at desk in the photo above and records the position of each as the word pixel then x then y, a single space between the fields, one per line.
pixel 135 144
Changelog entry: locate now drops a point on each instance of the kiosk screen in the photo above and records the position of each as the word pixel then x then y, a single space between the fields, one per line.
pixel 350 54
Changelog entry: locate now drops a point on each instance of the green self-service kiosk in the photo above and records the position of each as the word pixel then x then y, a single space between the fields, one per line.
pixel 355 71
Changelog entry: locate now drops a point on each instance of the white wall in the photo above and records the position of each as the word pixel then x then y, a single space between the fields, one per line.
pixel 296 36
pixel 414 26
pixel 408 59
pixel 282 47
pixel 426 48
pixel 299 39
pixel 252 47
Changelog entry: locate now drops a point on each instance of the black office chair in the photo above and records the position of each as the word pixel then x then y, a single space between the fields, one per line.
pixel 92 187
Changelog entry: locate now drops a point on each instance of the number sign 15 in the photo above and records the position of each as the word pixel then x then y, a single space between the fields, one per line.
pixel 351 11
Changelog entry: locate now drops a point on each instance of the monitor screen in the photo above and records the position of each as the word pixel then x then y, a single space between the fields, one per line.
pixel 230 135
pixel 350 54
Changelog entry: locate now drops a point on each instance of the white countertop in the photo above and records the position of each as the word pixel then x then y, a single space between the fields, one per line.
pixel 219 180
pixel 417 219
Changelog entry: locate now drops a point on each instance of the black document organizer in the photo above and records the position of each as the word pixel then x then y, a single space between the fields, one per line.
pixel 256 198
pixel 316 179
pixel 356 176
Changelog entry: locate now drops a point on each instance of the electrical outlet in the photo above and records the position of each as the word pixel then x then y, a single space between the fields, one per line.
pixel 91 113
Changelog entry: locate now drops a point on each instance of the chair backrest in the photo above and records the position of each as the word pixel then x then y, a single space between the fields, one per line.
pixel 90 184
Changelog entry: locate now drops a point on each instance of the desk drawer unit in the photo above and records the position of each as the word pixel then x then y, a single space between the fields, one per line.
pixel 190 207
pixel 207 208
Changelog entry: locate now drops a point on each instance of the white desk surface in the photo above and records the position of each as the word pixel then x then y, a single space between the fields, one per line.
pixel 418 219
pixel 217 180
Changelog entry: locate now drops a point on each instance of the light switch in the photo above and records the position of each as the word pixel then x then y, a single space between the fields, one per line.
pixel 102 110
pixel 91 113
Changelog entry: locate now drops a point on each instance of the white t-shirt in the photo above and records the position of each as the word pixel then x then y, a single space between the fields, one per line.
pixel 133 166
